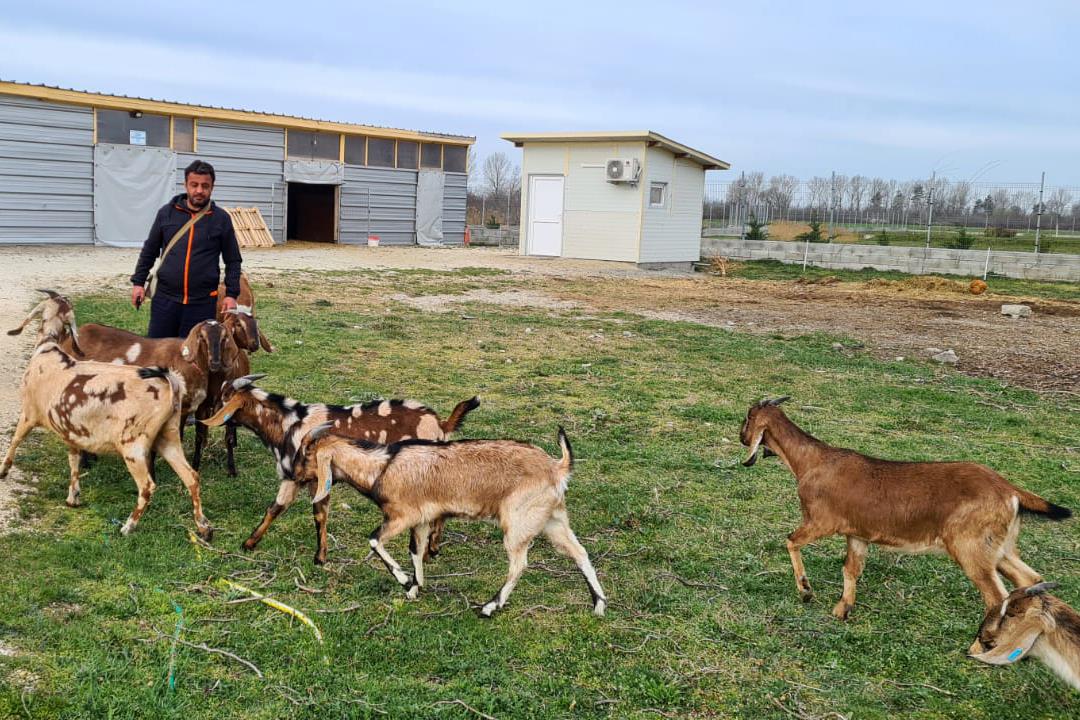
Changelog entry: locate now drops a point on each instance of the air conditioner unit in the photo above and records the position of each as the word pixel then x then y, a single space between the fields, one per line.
pixel 623 170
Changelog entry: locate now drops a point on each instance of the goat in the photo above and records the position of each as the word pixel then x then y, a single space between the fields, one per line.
pixel 57 318
pixel 245 306
pixel 1031 621
pixel 235 363
pixel 281 423
pixel 962 508
pixel 101 407
pixel 416 483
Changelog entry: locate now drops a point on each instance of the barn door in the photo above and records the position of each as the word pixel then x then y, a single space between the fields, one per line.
pixel 130 184
pixel 545 215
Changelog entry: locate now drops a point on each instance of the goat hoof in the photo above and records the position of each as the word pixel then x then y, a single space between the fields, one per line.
pixel 248 545
pixel 412 592
pixel 319 560
pixel 487 610
pixel 207 533
pixel 599 608
pixel 841 610
pixel 127 528
pixel 806 595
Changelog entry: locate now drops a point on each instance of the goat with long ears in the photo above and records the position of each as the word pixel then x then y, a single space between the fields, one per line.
pixel 1030 621
pixel 57 315
pixel 281 423
pixel 961 508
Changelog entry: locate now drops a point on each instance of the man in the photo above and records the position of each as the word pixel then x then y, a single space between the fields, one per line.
pixel 187 282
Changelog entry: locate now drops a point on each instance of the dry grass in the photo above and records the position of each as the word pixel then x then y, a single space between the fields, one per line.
pixel 791 230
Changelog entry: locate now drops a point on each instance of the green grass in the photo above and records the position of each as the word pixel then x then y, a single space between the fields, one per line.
pixel 704 618
pixel 776 270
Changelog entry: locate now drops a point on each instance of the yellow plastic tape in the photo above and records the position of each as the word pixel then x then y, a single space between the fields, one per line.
pixel 277 606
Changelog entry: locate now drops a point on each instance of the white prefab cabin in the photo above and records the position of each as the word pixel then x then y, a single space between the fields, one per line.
pixel 633 196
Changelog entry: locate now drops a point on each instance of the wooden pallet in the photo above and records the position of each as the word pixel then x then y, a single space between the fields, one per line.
pixel 251 230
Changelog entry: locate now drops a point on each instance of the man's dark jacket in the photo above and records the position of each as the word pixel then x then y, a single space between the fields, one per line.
pixel 190 273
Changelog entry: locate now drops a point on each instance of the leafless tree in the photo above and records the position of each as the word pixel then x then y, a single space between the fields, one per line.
pixel 498 171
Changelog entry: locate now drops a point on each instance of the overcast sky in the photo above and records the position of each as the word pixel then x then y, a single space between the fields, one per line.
pixel 986 90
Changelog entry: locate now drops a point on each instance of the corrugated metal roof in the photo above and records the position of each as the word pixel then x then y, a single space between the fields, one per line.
pixel 648 136
pixel 84 97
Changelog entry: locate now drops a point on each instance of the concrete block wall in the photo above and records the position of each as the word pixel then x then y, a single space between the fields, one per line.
pixel 913 260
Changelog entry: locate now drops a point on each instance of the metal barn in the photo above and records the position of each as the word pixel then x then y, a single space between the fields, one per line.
pixel 88 168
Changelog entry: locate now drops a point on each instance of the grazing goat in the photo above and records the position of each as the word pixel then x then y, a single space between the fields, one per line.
pixel 281 423
pixel 962 508
pixel 100 407
pixel 1031 621
pixel 417 483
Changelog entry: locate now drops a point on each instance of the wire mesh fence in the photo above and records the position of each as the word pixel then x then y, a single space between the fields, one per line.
pixel 935 212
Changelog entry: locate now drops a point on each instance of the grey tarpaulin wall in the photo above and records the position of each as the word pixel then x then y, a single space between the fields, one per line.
pixel 429 207
pixel 314 172
pixel 130 184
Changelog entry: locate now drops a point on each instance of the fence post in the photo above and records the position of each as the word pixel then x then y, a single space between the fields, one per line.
pixel 1039 211
pixel 930 213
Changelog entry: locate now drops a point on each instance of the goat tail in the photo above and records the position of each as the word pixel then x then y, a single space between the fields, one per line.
pixel 176 382
pixel 462 409
pixel 1032 503
pixel 566 462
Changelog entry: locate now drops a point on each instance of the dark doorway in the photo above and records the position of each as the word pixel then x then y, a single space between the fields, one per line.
pixel 311 212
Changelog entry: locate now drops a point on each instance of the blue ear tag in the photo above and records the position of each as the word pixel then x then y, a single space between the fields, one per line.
pixel 1015 654
pixel 329 481
pixel 226 418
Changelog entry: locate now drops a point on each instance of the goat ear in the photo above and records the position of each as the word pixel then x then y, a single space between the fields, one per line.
pixel 1040 588
pixel 1014 642
pixel 190 347
pixel 35 313
pixel 751 457
pixel 247 381
pixel 779 400
pixel 264 343
pixel 74 330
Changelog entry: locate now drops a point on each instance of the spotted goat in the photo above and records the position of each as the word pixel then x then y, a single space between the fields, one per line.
pixel 102 408
pixel 962 508
pixel 1031 621
pixel 281 423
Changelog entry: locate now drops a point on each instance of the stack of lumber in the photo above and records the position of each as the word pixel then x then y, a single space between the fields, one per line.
pixel 251 230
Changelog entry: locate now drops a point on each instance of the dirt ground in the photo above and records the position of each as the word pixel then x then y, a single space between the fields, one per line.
pixel 891 320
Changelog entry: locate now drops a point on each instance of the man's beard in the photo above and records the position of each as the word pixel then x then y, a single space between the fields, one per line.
pixel 197 204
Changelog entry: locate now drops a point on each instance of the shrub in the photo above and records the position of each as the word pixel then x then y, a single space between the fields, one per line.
pixel 814 235
pixel 882 237
pixel 963 240
pixel 492 222
pixel 1000 232
pixel 758 230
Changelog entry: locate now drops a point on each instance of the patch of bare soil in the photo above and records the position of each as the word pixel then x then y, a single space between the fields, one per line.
pixel 510 298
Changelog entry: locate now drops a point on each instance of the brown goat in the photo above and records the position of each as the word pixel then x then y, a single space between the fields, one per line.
pixel 964 509
pixel 1031 621
pixel 101 407
pixel 417 483
pixel 245 306
pixel 194 358
pixel 281 423
pixel 235 363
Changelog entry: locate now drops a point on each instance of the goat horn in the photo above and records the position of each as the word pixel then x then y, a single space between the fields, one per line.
pixel 1040 588
pixel 247 380
pixel 51 293
pixel 779 400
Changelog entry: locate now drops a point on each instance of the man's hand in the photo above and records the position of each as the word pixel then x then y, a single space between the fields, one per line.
pixel 229 304
pixel 137 295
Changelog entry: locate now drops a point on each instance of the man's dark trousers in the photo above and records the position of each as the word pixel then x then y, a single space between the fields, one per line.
pixel 171 318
